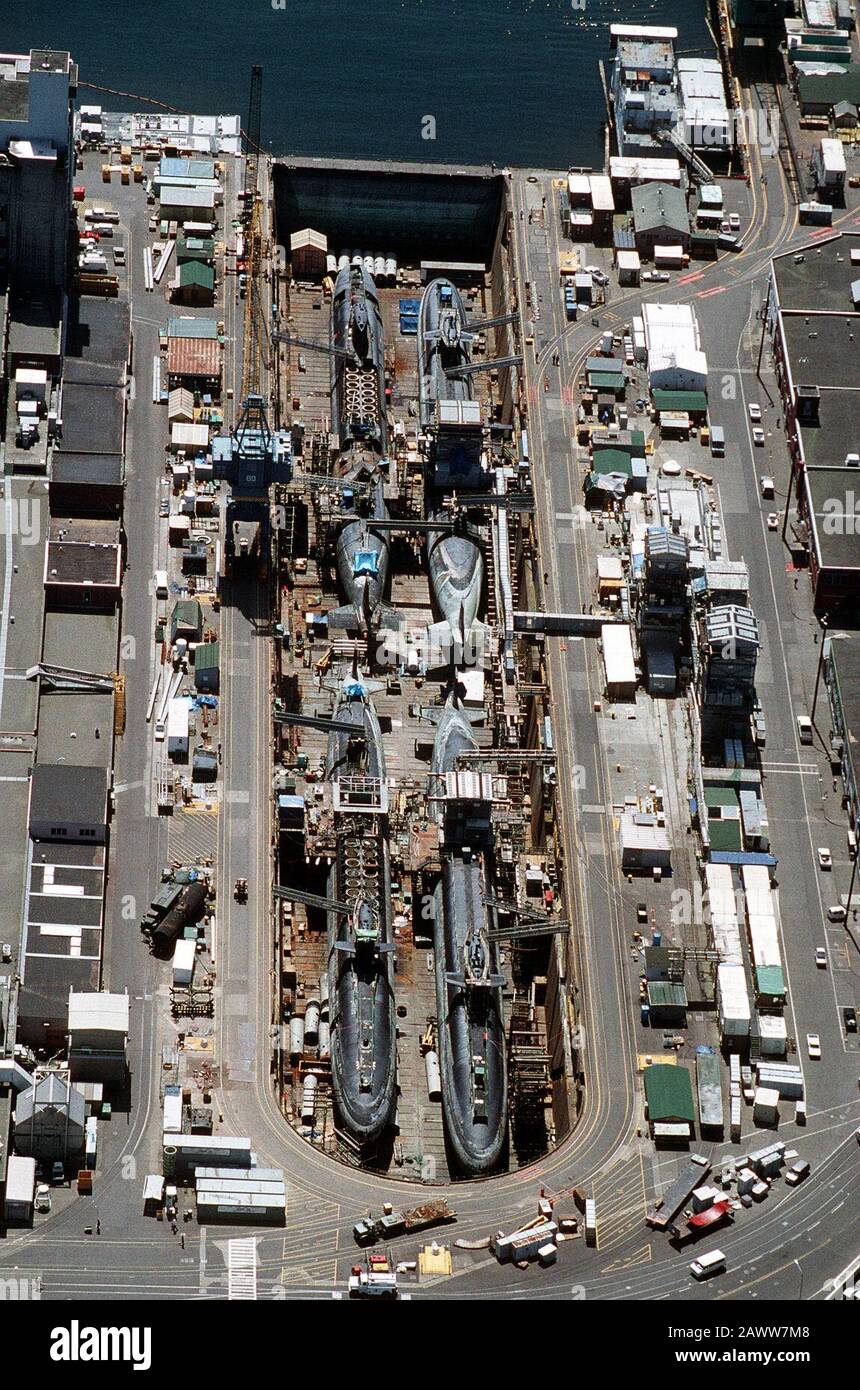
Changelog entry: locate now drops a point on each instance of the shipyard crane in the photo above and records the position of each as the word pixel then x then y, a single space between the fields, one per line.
pixel 488 365
pixel 329 348
pixel 365 930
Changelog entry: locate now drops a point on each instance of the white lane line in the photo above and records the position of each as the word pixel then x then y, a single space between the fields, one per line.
pixel 7 589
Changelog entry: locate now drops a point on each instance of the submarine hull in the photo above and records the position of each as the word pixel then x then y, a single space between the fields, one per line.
pixel 363 1022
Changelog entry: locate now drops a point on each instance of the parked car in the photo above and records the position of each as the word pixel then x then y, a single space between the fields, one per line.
pixel 766 485
pixel 825 858
pixel 821 957
pixel 804 728
pixel 813 1047
pixel 849 1018
pixel 758 436
pixel 797 1172
pixel 773 521
pixel 597 274
pixel 754 412
pixel 734 222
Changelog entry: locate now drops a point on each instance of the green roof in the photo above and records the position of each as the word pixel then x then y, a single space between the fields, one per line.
pixel 186 613
pixel 770 981
pixel 611 461
pixel 828 89
pixel 195 249
pixel 669 1093
pixel 197 273
pixel 720 796
pixel 693 402
pixel 207 655
pixel 665 994
pixel 606 381
pixel 724 834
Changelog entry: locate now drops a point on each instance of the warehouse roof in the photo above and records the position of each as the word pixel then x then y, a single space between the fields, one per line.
pixel 60 792
pixel 831 495
pixel 192 326
pixel 692 402
pixel 96 470
pixel 669 1093
pixel 194 357
pixel 197 273
pixel 826 89
pixel 658 205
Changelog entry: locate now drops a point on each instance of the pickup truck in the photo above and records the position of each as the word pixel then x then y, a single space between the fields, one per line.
pixel 376 1278
pixel 398 1223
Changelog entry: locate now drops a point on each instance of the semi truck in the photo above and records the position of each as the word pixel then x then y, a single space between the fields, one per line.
pixel 398 1223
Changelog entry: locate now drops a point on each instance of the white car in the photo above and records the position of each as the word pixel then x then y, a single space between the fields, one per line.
pixel 773 521
pixel 766 485
pixel 734 222
pixel 821 957
pixel 597 274
pixel 813 1047
pixel 758 436
pixel 825 858
pixel 754 412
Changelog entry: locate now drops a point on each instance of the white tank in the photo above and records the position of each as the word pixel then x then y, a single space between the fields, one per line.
pixel 434 1075
pixel 324 1047
pixel 379 270
pixel 391 269
pixel 324 995
pixel 331 263
pixel 312 1023
pixel 342 260
pixel 297 1036
pixel 369 263
pixel 309 1091
pixel 356 258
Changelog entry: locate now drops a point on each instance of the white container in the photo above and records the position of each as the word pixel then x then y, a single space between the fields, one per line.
pixel 297 1037
pixel 433 1074
pixel 309 1091
pixel 312 1023
pixel 184 956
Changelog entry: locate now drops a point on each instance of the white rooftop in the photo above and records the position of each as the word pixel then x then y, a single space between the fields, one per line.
pixel 99 1010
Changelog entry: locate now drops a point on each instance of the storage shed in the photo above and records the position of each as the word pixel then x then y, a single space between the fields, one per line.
pixel 207 667
pixel 669 1098
pixel 308 251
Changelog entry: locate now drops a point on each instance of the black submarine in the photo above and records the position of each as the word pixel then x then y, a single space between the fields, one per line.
pixel 468 980
pixel 360 944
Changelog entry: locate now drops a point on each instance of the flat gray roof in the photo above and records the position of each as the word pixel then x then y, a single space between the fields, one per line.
pixel 98 332
pixel 821 281
pixel 93 417
pixel 832 493
pixel 824 349
pixel 838 431
pixel 61 792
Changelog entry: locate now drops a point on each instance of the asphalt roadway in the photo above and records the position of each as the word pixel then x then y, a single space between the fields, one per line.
pixel 788 1248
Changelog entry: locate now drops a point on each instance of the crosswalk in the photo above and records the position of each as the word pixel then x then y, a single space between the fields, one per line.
pixel 242 1268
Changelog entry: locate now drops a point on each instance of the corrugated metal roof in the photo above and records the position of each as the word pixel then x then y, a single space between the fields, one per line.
pixel 194 357
pixel 197 273
pixel 669 1093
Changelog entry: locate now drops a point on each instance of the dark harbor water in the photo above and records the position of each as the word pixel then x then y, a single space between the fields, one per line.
pixel 515 81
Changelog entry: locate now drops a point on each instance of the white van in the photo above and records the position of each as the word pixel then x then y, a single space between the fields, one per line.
pixel 804 728
pixel 836 913
pixel 161 589
pixel 707 1265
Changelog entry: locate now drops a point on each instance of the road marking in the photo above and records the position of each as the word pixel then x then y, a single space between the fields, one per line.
pixel 242 1268
pixel 7 589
